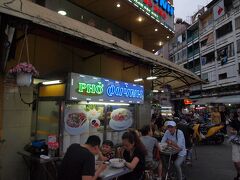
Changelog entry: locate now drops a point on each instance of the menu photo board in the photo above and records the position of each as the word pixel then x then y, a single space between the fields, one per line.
pixel 95 89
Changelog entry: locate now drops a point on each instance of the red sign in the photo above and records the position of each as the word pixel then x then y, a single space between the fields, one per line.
pixel 187 101
pixel 156 8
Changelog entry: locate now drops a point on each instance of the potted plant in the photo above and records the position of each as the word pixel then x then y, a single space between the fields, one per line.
pixel 24 72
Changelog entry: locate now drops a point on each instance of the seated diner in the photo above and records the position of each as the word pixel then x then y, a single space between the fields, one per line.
pixel 134 152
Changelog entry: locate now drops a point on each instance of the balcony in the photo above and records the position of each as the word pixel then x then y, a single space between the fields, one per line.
pixel 206 29
pixel 192 37
pixel 195 69
pixel 193 53
pixel 190 54
pixel 196 51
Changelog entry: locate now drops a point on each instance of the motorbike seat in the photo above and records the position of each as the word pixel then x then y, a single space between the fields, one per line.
pixel 205 127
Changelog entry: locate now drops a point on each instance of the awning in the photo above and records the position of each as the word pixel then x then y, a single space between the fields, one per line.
pixel 235 99
pixel 207 100
pixel 168 72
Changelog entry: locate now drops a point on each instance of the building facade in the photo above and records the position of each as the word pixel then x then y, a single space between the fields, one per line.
pixel 97 38
pixel 210 48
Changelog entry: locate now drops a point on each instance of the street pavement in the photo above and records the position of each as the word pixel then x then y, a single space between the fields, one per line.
pixel 213 163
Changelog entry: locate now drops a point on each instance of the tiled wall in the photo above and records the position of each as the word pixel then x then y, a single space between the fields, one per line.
pixel 16 131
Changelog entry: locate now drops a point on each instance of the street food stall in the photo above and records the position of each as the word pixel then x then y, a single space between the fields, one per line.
pixel 84 106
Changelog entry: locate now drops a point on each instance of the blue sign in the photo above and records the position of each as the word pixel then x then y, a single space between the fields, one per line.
pixel 89 88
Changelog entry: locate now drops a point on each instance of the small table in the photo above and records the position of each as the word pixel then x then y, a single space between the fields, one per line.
pixel 31 161
pixel 110 172
pixel 168 152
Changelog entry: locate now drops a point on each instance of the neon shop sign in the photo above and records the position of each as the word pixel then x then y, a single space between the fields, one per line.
pixel 111 90
pixel 90 88
pixel 84 87
pixel 155 8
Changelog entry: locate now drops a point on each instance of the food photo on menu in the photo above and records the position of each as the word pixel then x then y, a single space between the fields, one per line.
pixel 120 119
pixel 75 119
pixel 95 115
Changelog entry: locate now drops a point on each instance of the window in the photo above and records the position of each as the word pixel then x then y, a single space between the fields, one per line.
pixel 225 29
pixel 190 51
pixel 237 22
pixel 224 53
pixel 238 45
pixel 197 65
pixel 179 39
pixel 222 76
pixel 185 65
pixel 174 45
pixel 210 39
pixel 205 76
pixel 204 43
pixel 238 68
pixel 183 37
pixel 204 60
pixel 184 53
pixel 210 57
pixel 231 50
pixel 176 57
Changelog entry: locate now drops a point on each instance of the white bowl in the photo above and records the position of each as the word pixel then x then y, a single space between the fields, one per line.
pixel 117 162
pixel 163 145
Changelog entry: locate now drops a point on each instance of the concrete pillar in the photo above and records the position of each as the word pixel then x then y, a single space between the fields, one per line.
pixel 16 128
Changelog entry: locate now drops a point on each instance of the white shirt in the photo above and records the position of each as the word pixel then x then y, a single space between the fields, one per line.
pixel 179 139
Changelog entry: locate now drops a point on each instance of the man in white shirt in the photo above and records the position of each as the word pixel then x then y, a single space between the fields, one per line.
pixel 175 138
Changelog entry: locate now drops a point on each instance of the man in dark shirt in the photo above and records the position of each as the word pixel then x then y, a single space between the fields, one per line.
pixel 79 161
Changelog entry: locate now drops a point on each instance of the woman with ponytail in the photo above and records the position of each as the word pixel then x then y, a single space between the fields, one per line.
pixel 134 153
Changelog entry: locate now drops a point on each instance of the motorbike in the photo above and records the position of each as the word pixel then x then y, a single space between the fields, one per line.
pixel 208 133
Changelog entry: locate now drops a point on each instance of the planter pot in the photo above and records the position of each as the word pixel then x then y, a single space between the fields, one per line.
pixel 24 79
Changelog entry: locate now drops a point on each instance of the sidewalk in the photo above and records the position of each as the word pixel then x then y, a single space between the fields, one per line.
pixel 214 163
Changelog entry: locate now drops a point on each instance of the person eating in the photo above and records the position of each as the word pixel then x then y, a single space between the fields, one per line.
pixel 134 153
pixel 106 152
pixel 79 161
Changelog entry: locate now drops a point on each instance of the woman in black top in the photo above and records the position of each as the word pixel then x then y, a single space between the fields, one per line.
pixel 134 154
pixel 235 125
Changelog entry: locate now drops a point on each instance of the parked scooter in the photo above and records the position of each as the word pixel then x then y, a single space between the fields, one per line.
pixel 208 133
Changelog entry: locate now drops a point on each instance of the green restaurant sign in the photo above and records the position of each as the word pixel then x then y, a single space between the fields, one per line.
pixel 89 88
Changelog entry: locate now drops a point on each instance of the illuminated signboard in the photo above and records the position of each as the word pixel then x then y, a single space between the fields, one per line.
pixel 160 10
pixel 187 101
pixel 89 88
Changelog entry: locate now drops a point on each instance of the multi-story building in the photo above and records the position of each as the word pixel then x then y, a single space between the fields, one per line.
pixel 101 38
pixel 210 48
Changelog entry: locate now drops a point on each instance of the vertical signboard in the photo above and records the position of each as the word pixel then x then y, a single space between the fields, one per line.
pixel 218 10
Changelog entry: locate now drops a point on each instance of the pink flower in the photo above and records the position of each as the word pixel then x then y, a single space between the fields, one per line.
pixel 25 68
